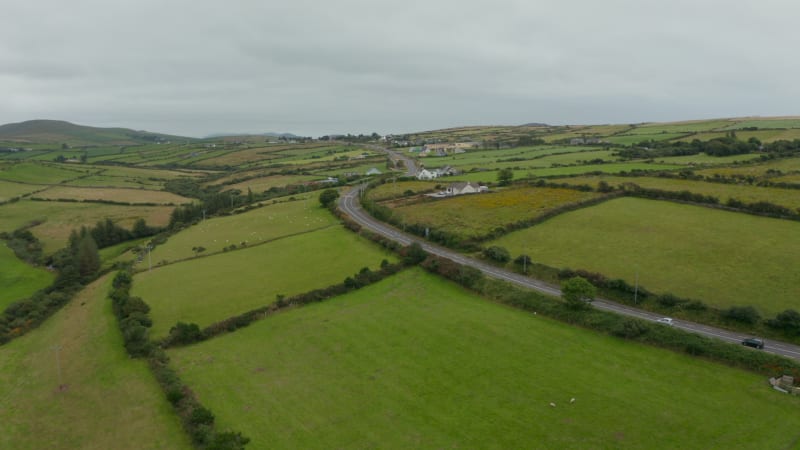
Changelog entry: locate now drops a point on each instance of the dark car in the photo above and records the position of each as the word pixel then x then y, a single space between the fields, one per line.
pixel 753 342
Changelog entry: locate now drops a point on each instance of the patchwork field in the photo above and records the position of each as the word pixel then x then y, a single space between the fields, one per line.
pixel 416 362
pixel 253 227
pixel 756 170
pixel 478 214
pixel 9 190
pixel 107 400
pixel 265 183
pixel 206 290
pixel 40 173
pixel 132 196
pixel 60 218
pixel 18 279
pixel 720 257
pixel 789 198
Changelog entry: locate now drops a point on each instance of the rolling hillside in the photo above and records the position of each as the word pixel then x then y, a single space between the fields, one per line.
pixel 58 132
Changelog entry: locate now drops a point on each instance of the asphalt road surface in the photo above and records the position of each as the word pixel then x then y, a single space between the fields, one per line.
pixel 349 203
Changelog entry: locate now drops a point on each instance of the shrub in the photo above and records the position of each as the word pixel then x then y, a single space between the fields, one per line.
pixel 496 253
pixel 744 314
pixel 788 321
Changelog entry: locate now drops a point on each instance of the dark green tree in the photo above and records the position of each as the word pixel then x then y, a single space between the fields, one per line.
pixel 504 176
pixel 87 256
pixel 578 292
pixel 328 196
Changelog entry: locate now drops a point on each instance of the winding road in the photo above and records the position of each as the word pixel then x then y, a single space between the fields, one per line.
pixel 349 203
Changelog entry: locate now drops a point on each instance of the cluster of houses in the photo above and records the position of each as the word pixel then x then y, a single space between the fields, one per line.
pixel 443 149
pixel 585 141
pixel 432 174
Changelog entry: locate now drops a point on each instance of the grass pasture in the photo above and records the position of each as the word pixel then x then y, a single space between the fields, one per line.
pixel 9 190
pixel 789 198
pixel 253 227
pixel 58 219
pixel 417 362
pixel 206 290
pixel 478 214
pixel 132 196
pixel 720 257
pixel 265 183
pixel 392 190
pixel 630 139
pixel 756 170
pixel 108 400
pixel 41 173
pixel 18 279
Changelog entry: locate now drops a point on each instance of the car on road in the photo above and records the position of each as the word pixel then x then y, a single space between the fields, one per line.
pixel 665 320
pixel 753 342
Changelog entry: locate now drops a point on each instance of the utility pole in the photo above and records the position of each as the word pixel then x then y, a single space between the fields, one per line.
pixel 636 289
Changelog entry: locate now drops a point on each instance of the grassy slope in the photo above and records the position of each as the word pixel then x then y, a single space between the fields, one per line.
pixel 750 194
pixel 112 194
pixel 721 257
pixel 416 362
pixel 206 290
pixel 61 217
pixel 10 189
pixel 110 401
pixel 18 279
pixel 262 224
pixel 41 174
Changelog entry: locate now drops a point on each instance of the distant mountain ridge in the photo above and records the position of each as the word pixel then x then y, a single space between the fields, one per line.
pixel 62 132
pixel 270 134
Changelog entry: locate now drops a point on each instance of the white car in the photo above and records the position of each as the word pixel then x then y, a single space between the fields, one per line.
pixel 665 320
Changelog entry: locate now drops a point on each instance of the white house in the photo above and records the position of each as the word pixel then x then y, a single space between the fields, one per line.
pixel 426 174
pixel 373 171
pixel 465 187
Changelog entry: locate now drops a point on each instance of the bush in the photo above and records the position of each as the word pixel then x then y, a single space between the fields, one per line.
pixel 744 314
pixel 578 292
pixel 788 321
pixel 498 254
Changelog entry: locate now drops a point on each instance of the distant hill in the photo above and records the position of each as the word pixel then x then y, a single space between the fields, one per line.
pixel 273 135
pixel 61 132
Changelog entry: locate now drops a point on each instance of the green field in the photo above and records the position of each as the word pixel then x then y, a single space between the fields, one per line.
pixel 630 139
pixel 132 196
pixel 9 190
pixel 478 214
pixel 262 184
pixel 703 159
pixel 417 362
pixel 206 290
pixel 789 198
pixel 60 218
pixel 40 173
pixel 783 165
pixel 720 257
pixel 108 400
pixel 18 279
pixel 396 189
pixel 253 227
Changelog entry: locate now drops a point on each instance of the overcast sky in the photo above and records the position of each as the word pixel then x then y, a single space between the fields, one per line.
pixel 313 67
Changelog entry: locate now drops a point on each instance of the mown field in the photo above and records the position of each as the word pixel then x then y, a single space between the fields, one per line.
pixel 206 290
pixel 720 257
pixel 789 198
pixel 263 184
pixel 254 227
pixel 41 173
pixel 756 170
pixel 417 362
pixel 9 190
pixel 132 196
pixel 60 218
pixel 18 279
pixel 478 214
pixel 108 400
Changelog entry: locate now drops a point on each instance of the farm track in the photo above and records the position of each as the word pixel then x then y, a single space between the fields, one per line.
pixel 349 204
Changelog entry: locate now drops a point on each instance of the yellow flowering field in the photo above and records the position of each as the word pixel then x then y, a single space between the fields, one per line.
pixel 475 215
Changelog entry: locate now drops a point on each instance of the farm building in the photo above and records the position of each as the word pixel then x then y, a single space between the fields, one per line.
pixel 373 171
pixel 465 187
